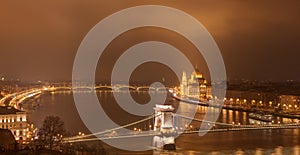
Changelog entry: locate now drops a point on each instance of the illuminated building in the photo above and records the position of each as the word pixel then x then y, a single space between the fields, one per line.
pixel 16 121
pixel 289 102
pixel 195 86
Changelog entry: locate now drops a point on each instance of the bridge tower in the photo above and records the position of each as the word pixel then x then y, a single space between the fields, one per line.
pixel 164 124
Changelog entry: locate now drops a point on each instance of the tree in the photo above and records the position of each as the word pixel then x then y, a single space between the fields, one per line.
pixel 52 131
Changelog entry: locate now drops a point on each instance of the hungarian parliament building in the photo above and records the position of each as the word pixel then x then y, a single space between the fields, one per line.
pixel 195 86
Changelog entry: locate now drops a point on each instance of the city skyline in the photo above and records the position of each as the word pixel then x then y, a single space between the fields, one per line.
pixel 149 77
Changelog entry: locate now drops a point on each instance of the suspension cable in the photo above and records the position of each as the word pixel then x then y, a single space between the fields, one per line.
pixel 117 128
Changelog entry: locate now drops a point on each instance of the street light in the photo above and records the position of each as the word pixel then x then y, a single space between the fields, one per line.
pixel 260 103
pixel 253 102
pixel 237 101
pixel 270 103
pixel 81 134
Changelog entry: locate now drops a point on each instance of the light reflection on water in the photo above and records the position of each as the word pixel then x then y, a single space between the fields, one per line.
pixel 258 151
pixel 276 142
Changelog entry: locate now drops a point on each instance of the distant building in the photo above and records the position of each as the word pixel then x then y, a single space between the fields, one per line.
pixel 16 121
pixel 195 86
pixel 251 98
pixel 289 102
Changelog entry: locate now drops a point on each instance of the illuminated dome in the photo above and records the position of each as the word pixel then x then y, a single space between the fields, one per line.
pixel 197 73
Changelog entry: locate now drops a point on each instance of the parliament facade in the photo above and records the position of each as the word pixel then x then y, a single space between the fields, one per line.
pixel 195 86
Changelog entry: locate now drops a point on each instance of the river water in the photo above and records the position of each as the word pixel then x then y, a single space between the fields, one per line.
pixel 277 142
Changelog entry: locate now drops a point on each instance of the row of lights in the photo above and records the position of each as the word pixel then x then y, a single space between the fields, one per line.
pixel 261 102
pixel 8 120
pixel 81 134
pixel 139 129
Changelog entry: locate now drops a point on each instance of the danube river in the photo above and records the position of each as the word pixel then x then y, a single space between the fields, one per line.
pixel 277 141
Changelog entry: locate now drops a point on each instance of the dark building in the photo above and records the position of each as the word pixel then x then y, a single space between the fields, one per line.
pixel 7 140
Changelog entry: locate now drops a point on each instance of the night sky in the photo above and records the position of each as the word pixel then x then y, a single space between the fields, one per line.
pixel 259 40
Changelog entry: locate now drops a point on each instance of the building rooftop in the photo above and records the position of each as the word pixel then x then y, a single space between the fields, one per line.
pixel 7 110
pixel 197 73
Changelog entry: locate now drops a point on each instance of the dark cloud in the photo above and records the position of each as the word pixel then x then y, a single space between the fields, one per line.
pixel 258 39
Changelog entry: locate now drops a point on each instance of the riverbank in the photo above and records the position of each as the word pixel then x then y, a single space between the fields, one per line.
pixel 238 108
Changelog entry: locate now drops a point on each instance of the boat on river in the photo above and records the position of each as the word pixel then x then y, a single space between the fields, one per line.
pixel 261 117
